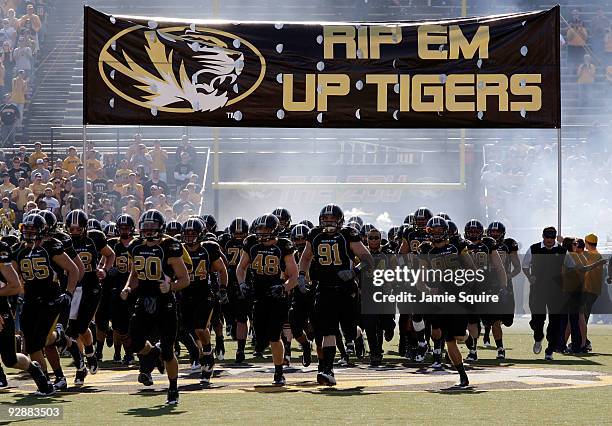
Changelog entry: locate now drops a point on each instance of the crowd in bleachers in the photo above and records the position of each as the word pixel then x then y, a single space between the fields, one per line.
pixel 106 185
pixel 22 33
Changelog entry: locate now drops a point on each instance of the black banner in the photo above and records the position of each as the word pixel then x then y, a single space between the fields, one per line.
pixel 493 71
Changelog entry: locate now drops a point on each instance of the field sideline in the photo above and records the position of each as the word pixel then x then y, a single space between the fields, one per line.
pixel 522 389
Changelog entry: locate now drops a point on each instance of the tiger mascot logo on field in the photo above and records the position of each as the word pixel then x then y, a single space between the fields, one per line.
pixel 179 69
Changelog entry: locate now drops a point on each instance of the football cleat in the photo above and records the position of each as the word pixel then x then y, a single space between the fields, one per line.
pixel 420 353
pixel 128 359
pixel 92 364
pixel 47 391
pixel 437 364
pixel 537 347
pixel 99 356
pixel 279 380
pixel 306 354
pixel 173 397
pixel 195 366
pixel 60 383
pixel 548 356
pixel 326 378
pixel 464 382
pixel 3 379
pixel 375 360
pixel 240 357
pixel 220 350
pixel 343 361
pixel 486 341
pixel 501 353
pixel 205 376
pixel 79 378
pixel 472 356
pixel 350 348
pixel 117 359
pixel 145 379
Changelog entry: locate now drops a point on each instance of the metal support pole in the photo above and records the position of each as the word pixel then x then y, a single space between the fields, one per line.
pixel 216 172
pixel 559 183
pixel 85 167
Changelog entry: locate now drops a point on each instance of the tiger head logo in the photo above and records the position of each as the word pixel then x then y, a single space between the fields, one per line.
pixel 179 69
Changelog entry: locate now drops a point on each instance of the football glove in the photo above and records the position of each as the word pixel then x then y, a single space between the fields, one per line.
pixel 347 274
pixel 277 291
pixel 63 301
pixel 303 285
pixel 245 290
pixel 222 295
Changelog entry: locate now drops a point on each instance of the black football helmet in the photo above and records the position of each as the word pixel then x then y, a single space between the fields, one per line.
pixel 111 230
pixel 94 224
pixel 355 225
pixel 174 228
pixel 298 236
pixel 356 219
pixel 76 223
pixel 473 230
pixel 125 225
pixel 284 218
pixel 409 220
pixel 239 228
pixel 496 230
pixel 192 231
pixel 33 227
pixel 308 223
pixel 452 229
pixel 331 218
pixel 421 217
pixel 50 219
pixel 151 225
pixel 392 233
pixel 444 216
pixel 366 229
pixel 266 227
pixel 210 223
pixel 437 229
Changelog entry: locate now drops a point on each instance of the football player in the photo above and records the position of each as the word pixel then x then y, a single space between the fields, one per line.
pixel 332 249
pixel 439 254
pixel 158 269
pixel 284 222
pixel 97 258
pixel 11 286
pixel 197 300
pixel 173 229
pixel 35 262
pixel 237 309
pixel 486 257
pixel 508 252
pixel 274 274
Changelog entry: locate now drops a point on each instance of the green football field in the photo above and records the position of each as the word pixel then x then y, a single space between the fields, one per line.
pixel 523 389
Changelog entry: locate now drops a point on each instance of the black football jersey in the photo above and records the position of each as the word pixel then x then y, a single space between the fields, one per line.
pixel 88 248
pixel 37 269
pixel 445 258
pixel 414 237
pixel 267 262
pixel 150 263
pixel 505 248
pixel 480 253
pixel 122 264
pixel 202 258
pixel 5 259
pixel 331 254
pixel 66 241
pixel 231 249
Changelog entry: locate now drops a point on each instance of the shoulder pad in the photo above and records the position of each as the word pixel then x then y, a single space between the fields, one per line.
pixel 425 247
pixel 489 242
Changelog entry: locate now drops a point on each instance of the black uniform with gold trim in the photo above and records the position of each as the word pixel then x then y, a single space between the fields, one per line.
pixel 506 249
pixel 117 278
pixel 334 298
pixel 197 300
pixel 89 290
pixel 40 312
pixel 7 334
pixel 238 308
pixel 154 310
pixel 268 264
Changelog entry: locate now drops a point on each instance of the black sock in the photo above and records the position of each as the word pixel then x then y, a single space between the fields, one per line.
pixel 76 354
pixel 438 346
pixel 241 345
pixel 99 346
pixel 421 337
pixel 329 353
pixel 219 340
pixel 207 349
pixel 58 372
pixel 89 351
pixel 39 377
pixel 461 370
pixel 278 369
pixel 470 343
pixel 117 351
pixel 173 385
pixel 499 343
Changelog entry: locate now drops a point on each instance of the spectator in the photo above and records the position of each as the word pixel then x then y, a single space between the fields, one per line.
pixel 576 40
pixel 13 21
pixel 71 162
pixel 52 202
pixel 31 21
pixel 185 146
pixel 92 164
pixel 107 206
pixel 194 179
pixel 132 209
pixel 134 189
pixel 6 184
pixel 160 158
pixel 107 217
pixel 98 185
pixel 72 203
pixel 40 169
pixel 599 24
pixel 133 147
pixel 183 201
pixel 157 181
pixel 16 172
pixel 109 166
pixel 586 78
pixel 38 154
pixel 56 184
pixel 123 172
pixel 9 117
pixel 9 65
pixel 20 194
pixel 141 175
pixel 163 205
pixel 8 33
pixel 23 56
pixel 19 94
pixel 183 171
pixel 141 158
pixel 194 197
pixel 79 183
pixel 9 213
pixel 23 156
pixel 113 195
pixel 37 186
pixel 154 197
